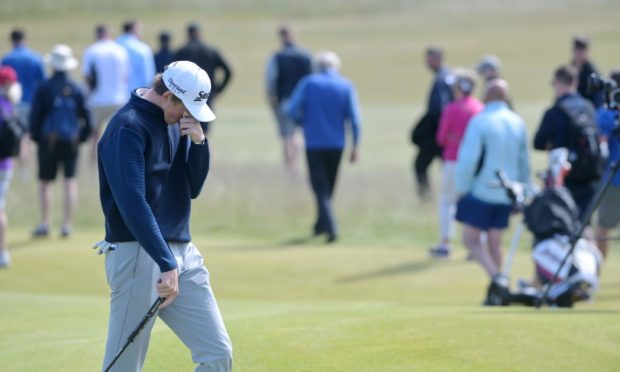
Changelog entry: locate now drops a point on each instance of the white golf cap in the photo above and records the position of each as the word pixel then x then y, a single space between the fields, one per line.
pixel 192 86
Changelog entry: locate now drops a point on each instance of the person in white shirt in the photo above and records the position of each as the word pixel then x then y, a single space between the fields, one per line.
pixel 140 56
pixel 106 70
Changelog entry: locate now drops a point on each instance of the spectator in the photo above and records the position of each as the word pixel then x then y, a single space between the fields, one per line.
pixel 495 139
pixel 425 132
pixel 59 122
pixel 30 73
pixel 488 67
pixel 609 213
pixel 452 125
pixel 284 69
pixel 560 129
pixel 164 56
pixel 147 178
pixel 323 102
pixel 140 55
pixel 209 59
pixel 10 93
pixel 106 69
pixel 585 68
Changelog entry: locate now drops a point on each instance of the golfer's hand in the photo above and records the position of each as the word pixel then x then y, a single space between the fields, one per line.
pixel 168 286
pixel 353 155
pixel 191 127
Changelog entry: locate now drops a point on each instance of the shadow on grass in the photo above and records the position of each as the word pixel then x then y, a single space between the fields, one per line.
pixel 410 267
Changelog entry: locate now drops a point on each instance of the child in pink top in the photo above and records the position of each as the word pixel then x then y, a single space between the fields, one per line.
pixel 454 119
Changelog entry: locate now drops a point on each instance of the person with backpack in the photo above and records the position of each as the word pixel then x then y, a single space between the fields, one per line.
pixel 60 121
pixel 10 138
pixel 571 123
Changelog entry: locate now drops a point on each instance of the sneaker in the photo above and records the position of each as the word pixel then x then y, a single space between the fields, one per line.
pixel 440 251
pixel 41 231
pixel 498 293
pixel 65 231
pixel 5 258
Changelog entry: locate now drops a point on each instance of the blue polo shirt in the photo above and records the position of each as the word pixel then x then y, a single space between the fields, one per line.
pixel 29 68
pixel 148 175
pixel 323 102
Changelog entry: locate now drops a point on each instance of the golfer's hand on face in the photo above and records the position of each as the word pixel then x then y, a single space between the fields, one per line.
pixel 191 127
pixel 168 286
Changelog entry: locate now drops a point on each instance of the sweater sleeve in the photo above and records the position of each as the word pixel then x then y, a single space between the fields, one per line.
pixel 197 166
pixel 468 158
pixel 123 163
pixel 354 113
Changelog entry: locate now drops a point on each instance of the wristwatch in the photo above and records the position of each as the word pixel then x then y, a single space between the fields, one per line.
pixel 204 141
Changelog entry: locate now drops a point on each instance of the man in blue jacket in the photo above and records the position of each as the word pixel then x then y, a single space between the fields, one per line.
pixel 150 168
pixel 323 102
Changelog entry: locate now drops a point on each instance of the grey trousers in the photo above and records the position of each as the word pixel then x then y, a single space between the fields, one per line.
pixel 193 316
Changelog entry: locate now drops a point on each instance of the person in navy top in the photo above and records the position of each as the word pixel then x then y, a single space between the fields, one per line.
pixel 153 159
pixel 323 102
pixel 284 70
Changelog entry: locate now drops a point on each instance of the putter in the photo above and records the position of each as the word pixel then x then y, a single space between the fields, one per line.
pixel 149 314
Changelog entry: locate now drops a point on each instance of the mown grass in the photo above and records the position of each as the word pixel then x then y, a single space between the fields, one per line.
pixel 374 302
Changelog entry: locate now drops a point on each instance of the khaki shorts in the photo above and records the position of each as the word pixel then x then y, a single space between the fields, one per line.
pixel 609 211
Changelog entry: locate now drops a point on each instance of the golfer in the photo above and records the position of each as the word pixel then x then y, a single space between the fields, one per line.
pixel 153 159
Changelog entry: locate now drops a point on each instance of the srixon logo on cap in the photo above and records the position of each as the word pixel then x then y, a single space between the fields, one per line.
pixel 177 88
pixel 201 96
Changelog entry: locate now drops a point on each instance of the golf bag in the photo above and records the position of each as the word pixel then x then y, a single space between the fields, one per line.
pixel 552 216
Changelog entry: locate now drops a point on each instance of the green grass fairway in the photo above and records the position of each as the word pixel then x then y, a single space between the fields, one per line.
pixel 308 307
pixel 372 302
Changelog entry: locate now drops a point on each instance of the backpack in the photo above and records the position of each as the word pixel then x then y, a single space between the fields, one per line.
pixel 11 133
pixel 584 151
pixel 61 122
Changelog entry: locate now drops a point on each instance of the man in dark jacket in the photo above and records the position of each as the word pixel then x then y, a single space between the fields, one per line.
pixel 557 130
pixel 59 122
pixel 424 133
pixel 585 68
pixel 209 59
pixel 284 70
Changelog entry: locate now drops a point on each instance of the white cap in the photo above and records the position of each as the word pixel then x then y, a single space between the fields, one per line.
pixel 61 58
pixel 328 60
pixel 192 86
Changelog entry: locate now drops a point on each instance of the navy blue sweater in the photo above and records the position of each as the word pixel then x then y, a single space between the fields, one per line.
pixel 148 175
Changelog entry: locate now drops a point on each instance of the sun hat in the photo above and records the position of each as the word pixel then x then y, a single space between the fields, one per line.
pixel 61 58
pixel 192 86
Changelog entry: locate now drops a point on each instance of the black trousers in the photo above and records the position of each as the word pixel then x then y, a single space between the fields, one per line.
pixel 323 170
pixel 426 153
